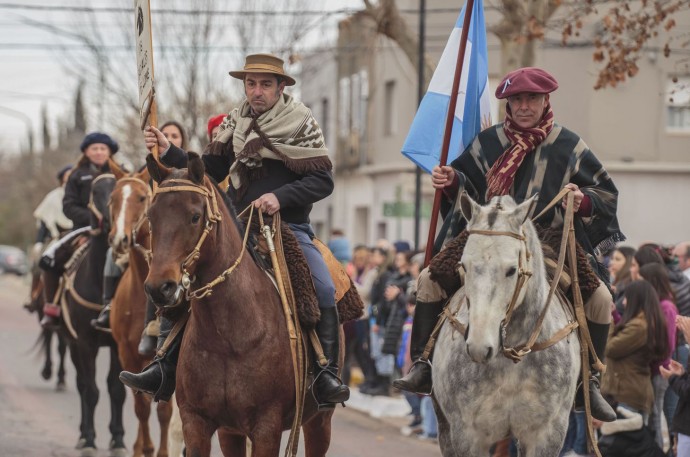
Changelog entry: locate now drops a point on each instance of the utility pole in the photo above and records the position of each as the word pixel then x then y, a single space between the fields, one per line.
pixel 420 95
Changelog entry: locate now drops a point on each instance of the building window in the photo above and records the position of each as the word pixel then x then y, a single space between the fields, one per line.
pixel 678 105
pixel 382 231
pixel 390 115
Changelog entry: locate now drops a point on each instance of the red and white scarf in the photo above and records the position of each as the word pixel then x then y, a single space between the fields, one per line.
pixel 500 177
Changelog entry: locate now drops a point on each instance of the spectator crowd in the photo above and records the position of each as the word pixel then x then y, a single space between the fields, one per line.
pixel 646 356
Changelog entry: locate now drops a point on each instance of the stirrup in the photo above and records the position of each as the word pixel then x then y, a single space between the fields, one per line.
pixel 324 406
pixel 97 326
pixel 425 362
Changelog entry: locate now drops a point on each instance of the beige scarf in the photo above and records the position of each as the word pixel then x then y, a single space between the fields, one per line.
pixel 287 132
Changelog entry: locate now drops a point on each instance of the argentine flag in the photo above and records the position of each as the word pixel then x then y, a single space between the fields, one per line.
pixel 425 138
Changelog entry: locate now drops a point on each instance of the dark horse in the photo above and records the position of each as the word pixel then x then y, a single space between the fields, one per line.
pixel 45 339
pixel 234 372
pixel 83 300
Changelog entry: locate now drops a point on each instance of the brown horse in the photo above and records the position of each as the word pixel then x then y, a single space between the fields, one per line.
pixel 129 235
pixel 234 372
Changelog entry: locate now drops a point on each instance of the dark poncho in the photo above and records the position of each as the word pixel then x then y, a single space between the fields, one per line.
pixel 560 159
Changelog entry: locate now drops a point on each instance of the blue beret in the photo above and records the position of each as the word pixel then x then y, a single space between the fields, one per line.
pixel 528 79
pixel 62 172
pixel 98 137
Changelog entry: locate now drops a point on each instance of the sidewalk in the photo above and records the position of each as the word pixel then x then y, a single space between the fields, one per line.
pixel 392 408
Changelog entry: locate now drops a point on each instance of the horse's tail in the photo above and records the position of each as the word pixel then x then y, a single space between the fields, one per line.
pixel 41 343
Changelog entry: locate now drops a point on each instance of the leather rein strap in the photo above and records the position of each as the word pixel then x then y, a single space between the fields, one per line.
pixel 92 206
pixel 297 347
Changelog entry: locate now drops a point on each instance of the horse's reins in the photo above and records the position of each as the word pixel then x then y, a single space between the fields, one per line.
pixel 72 266
pixel 516 353
pixel 213 216
pixel 92 206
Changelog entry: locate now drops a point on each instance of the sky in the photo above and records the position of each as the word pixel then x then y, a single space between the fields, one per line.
pixel 33 76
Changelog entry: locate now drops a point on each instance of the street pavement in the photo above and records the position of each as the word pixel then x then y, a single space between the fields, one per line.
pixel 38 421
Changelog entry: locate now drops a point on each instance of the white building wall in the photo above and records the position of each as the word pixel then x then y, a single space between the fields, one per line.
pixel 625 126
pixel 653 202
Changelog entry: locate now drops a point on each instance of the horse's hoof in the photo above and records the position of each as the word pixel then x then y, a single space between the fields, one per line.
pixel 89 452
pixel 80 444
pixel 118 452
pixel 46 373
pixel 61 386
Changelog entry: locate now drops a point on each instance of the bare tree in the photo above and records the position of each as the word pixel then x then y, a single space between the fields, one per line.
pixel 625 30
pixel 261 27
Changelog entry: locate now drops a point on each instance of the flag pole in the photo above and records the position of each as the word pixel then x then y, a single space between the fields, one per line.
pixel 449 128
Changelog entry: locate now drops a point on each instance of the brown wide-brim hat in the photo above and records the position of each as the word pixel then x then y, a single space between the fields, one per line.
pixel 528 79
pixel 263 63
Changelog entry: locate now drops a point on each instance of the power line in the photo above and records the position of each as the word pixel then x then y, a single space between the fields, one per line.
pixel 110 9
pixel 211 48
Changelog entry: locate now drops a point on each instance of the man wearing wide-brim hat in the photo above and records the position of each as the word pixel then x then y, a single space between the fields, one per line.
pixel 274 152
pixel 525 155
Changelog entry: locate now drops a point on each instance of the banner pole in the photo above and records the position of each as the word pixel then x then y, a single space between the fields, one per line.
pixel 153 116
pixel 449 128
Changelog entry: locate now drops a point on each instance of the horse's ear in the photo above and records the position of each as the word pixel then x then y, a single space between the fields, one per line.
pixel 524 210
pixel 115 169
pixel 144 175
pixel 195 168
pixel 156 170
pixel 468 206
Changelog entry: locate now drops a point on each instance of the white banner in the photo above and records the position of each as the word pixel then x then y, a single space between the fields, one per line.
pixel 144 44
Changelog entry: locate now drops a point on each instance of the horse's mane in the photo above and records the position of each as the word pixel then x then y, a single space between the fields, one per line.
pixel 228 204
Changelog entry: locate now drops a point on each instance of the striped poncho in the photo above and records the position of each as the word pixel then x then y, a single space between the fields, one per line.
pixel 560 159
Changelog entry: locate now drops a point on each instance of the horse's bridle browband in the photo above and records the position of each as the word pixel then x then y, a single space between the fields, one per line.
pixel 213 216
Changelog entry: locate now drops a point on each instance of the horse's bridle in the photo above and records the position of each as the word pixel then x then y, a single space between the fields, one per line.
pixel 516 353
pixel 212 217
pixel 523 276
pixel 92 206
pixel 142 218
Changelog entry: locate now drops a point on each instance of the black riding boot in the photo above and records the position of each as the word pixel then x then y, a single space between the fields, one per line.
pixel 158 378
pixel 147 345
pixel 418 380
pixel 102 322
pixel 601 410
pixel 327 387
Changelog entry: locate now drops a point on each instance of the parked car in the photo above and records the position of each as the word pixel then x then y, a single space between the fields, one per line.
pixel 13 260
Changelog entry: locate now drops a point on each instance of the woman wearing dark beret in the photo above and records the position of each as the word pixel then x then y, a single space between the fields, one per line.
pixel 96 148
